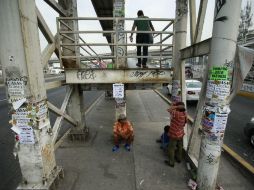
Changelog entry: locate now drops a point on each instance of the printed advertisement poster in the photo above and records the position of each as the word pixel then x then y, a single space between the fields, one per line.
pixel 15 87
pixel 218 73
pixel 208 120
pixel 118 90
pixel 21 113
pixel 220 122
pixel 26 136
pixel 218 89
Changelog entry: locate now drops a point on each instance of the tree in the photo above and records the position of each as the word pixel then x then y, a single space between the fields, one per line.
pixel 245 22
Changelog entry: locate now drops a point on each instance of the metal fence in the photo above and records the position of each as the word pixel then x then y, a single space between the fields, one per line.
pixel 82 52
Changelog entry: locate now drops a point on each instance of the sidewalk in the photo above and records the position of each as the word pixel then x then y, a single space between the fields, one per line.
pixel 93 166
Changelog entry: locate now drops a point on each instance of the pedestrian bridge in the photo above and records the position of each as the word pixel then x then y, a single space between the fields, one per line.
pixel 83 65
pixel 37 139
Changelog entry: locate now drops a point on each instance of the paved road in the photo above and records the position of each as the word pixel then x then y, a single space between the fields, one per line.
pixel 242 109
pixel 10 174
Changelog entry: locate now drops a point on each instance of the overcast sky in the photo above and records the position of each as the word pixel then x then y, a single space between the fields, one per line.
pixel 151 8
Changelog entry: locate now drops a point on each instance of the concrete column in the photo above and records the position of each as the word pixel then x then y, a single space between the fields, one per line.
pixel 120 38
pixel 180 31
pixel 20 56
pixel 75 107
pixel 216 108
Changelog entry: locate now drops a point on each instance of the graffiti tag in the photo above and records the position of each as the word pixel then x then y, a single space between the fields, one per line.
pixel 86 74
pixel 219 5
pixel 144 74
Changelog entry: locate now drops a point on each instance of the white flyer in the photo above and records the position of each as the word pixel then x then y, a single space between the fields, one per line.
pixel 26 136
pixel 220 122
pixel 118 90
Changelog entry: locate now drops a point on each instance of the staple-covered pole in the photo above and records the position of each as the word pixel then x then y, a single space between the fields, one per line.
pixel 180 32
pixel 216 108
pixel 20 56
pixel 75 107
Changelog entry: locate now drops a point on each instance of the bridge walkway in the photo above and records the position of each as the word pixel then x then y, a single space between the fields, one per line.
pixel 97 167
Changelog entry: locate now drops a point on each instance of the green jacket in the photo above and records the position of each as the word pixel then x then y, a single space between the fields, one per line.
pixel 143 25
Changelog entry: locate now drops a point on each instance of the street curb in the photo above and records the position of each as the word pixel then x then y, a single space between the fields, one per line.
pixel 246 94
pixel 238 158
pixel 228 150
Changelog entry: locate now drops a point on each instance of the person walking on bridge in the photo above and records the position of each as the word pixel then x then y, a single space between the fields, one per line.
pixel 142 38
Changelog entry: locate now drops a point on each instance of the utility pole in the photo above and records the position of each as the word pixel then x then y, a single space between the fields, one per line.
pixel 119 38
pixel 216 108
pixel 75 107
pixel 180 32
pixel 23 75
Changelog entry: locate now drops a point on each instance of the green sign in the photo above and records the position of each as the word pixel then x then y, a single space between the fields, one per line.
pixel 219 73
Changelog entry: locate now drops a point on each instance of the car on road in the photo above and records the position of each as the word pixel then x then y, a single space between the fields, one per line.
pixel 249 131
pixel 56 70
pixel 193 88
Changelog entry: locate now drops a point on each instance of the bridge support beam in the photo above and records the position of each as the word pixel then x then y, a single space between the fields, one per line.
pixel 76 104
pixel 216 108
pixel 23 73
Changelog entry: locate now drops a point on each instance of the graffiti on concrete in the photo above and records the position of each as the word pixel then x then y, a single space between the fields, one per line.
pixel 120 51
pixel 147 74
pixel 86 74
pixel 219 5
pixel 182 9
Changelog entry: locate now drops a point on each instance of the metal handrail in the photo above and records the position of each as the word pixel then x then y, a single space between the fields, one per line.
pixel 80 39
pixel 162 45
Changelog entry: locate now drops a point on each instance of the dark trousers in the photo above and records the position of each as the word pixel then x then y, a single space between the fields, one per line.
pixel 142 39
pixel 175 150
pixel 118 138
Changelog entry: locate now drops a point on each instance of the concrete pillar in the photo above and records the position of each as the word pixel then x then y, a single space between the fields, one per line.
pixel 75 107
pixel 20 56
pixel 216 108
pixel 180 31
pixel 120 38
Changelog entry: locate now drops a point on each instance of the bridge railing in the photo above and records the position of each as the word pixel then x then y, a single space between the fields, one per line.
pixel 84 53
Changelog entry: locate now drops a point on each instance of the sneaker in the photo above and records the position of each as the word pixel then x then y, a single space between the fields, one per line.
pixel 168 163
pixel 127 147
pixel 145 66
pixel 138 65
pixel 115 148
